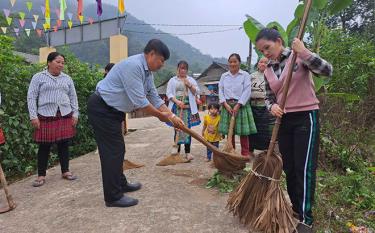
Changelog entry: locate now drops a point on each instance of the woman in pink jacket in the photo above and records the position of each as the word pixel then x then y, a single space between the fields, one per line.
pixel 299 131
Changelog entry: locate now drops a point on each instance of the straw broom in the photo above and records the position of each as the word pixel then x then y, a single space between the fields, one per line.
pixel 259 201
pixel 11 203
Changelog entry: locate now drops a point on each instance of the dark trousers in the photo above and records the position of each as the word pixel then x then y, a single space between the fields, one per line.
pixel 43 155
pixel 209 152
pixel 299 146
pixel 106 122
pixel 187 148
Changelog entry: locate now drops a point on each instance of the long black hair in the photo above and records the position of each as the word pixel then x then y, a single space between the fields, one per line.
pixel 271 34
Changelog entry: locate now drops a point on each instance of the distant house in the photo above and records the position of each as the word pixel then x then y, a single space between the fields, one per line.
pixel 29 58
pixel 209 79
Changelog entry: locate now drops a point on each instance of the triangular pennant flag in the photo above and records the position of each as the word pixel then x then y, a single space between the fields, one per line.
pixel 57 12
pixel 48 12
pixel 36 17
pixel 55 28
pixel 46 26
pixel 62 9
pixel 91 20
pixel 70 16
pixel 29 5
pixel 27 30
pixel 121 6
pixel 6 13
pixel 17 30
pixel 81 18
pixel 48 21
pixel 80 7
pixel 9 20
pixel 70 24
pixel 39 32
pixel 58 23
pixel 99 9
pixel 22 22
pixel 12 2
pixel 21 14
pixel 43 8
pixel 4 29
pixel 34 24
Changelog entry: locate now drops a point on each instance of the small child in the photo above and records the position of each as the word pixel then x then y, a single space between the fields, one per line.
pixel 210 129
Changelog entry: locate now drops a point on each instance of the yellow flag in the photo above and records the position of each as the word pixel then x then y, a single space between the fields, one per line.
pixel 70 23
pixel 4 29
pixel 48 12
pixel 81 18
pixel 9 21
pixel 121 6
pixel 46 26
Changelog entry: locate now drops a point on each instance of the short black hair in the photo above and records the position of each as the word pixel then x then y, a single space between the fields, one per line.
pixel 52 56
pixel 214 106
pixel 235 55
pixel 109 66
pixel 159 47
pixel 182 62
pixel 271 34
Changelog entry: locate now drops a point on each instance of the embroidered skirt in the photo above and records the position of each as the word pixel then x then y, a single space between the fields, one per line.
pixel 189 119
pixel 245 124
pixel 54 129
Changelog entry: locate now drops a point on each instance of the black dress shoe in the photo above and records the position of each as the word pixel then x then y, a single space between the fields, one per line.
pixel 131 187
pixel 124 201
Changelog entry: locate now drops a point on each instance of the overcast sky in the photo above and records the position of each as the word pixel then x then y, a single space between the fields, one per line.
pixel 211 12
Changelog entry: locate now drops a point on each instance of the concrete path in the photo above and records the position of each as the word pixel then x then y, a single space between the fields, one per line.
pixel 173 198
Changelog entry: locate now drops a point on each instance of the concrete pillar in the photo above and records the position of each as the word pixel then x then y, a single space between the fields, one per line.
pixel 43 53
pixel 118 50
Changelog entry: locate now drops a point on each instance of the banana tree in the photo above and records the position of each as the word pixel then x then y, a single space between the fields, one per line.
pixel 316 29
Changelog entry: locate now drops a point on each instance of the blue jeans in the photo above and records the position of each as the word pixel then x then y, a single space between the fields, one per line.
pixel 209 152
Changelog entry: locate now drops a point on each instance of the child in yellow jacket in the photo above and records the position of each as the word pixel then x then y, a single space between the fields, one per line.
pixel 210 129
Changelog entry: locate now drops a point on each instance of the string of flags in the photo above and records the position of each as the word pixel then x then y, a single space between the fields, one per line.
pixel 27 21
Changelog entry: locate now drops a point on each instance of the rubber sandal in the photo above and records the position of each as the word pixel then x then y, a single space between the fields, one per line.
pixel 38 183
pixel 69 177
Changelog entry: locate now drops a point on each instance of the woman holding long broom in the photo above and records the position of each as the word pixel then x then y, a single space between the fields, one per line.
pixel 299 130
pixel 234 95
pixel 181 91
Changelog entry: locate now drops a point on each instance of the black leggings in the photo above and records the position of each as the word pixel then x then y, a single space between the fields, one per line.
pixel 187 148
pixel 299 146
pixel 43 155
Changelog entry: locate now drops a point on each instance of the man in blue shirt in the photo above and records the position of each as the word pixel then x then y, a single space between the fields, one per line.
pixel 127 87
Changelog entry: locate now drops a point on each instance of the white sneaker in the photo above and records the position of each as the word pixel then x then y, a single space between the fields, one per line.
pixel 189 156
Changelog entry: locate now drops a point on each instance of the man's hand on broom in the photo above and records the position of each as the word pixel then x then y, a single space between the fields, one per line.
pixel 172 118
pixel 276 110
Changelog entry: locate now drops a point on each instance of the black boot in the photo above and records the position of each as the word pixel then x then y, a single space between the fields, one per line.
pixel 124 201
pixel 131 187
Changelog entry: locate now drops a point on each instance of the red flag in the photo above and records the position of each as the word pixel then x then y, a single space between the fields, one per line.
pixel 80 7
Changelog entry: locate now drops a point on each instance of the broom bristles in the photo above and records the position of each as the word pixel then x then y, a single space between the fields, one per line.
pixel 259 202
pixel 130 165
pixel 172 160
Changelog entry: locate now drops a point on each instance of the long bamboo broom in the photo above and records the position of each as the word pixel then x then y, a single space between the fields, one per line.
pixel 259 201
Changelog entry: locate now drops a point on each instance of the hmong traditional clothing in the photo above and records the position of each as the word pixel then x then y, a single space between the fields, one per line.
pixel 264 121
pixel 244 121
pixel 176 88
pixel 233 89
pixel 54 129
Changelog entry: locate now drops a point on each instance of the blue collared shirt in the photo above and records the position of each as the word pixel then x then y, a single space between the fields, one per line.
pixel 130 85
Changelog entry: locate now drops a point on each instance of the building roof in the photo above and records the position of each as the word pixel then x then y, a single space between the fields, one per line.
pixel 30 58
pixel 210 76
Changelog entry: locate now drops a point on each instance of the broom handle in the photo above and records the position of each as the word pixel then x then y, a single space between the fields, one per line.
pixel 231 129
pixel 5 186
pixel 199 138
pixel 301 31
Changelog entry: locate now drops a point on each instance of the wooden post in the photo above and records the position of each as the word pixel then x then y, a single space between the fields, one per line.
pixel 43 53
pixel 118 50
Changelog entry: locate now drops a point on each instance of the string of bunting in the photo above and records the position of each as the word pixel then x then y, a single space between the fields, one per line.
pixel 46 13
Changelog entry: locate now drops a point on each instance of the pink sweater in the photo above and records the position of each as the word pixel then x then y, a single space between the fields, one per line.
pixel 301 94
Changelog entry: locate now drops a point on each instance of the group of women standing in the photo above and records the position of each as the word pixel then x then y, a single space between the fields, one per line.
pixel 253 101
